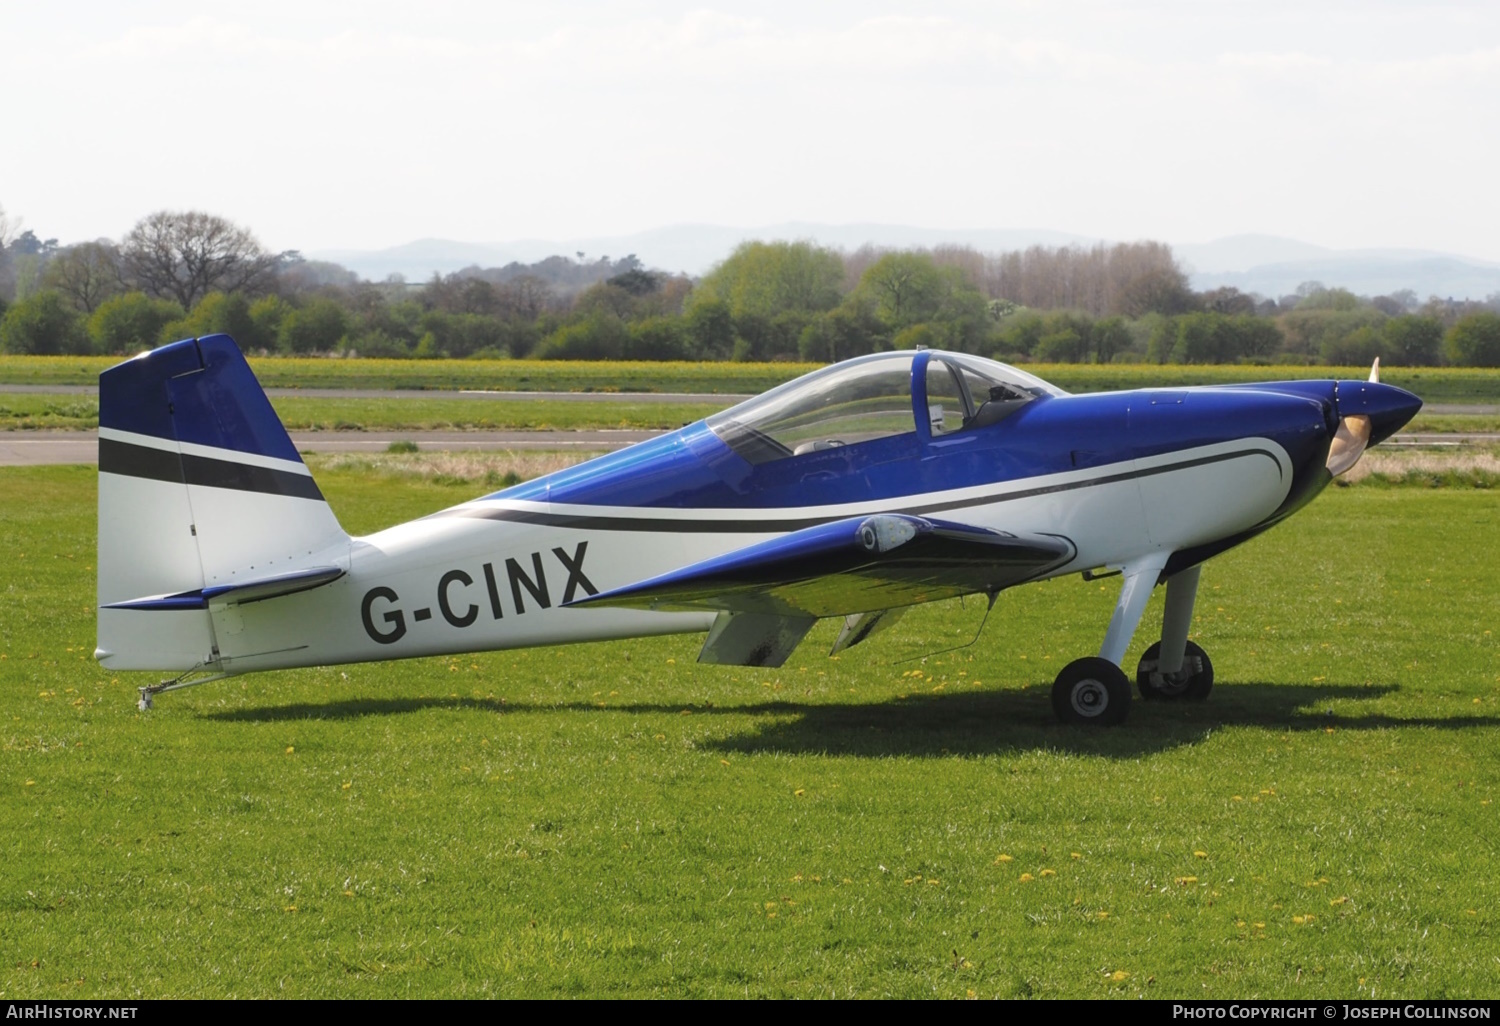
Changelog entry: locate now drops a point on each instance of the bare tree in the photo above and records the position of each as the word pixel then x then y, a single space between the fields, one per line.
pixel 88 273
pixel 186 255
pixel 858 262
pixel 524 298
pixel 1126 278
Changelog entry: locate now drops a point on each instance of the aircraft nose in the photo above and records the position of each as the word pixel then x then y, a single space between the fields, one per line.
pixel 1388 407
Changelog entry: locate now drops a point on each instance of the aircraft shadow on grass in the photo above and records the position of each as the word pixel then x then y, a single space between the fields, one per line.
pixel 945 724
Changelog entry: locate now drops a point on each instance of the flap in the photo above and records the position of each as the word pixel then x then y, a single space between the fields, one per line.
pixel 858 565
pixel 239 592
pixel 753 639
pixel 859 626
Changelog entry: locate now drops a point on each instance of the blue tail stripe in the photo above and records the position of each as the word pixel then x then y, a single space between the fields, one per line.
pixel 199 391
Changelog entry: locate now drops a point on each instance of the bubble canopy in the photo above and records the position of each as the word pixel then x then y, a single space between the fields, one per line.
pixel 873 397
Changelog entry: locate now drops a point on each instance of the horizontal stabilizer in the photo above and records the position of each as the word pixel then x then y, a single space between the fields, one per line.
pixel 240 592
pixel 858 565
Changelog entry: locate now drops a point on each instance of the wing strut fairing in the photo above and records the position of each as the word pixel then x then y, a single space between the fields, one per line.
pixel 769 594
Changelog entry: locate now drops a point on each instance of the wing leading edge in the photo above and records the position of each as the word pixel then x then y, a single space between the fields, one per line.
pixel 770 594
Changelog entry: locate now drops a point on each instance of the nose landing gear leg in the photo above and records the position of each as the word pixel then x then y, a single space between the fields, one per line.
pixel 1176 668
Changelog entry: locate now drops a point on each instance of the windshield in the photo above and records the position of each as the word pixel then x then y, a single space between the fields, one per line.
pixel 870 397
pixel 854 401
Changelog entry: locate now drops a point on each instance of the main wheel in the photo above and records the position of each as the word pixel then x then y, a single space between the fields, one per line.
pixel 1193 682
pixel 1091 690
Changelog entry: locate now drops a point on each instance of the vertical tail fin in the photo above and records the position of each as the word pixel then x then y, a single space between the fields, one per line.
pixel 199 487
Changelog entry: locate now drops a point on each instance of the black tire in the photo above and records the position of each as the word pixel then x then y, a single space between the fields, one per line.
pixel 1193 688
pixel 1093 691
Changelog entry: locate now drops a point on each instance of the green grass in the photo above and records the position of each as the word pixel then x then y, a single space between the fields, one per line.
pixel 501 375
pixel 1434 384
pixel 60 412
pixel 1453 423
pixel 615 820
pixel 36 411
pixel 300 414
pixel 50 412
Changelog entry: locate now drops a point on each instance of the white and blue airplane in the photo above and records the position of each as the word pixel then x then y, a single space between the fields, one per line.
pixel 856 491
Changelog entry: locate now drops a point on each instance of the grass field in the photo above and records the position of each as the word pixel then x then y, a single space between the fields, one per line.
pixel 502 375
pixel 27 412
pixel 1434 384
pixel 32 412
pixel 484 414
pixel 615 820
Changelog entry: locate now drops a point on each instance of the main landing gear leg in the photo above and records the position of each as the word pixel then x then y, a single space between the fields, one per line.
pixel 1096 690
pixel 1175 667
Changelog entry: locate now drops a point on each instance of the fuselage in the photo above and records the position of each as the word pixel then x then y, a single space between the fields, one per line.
pixel 1188 471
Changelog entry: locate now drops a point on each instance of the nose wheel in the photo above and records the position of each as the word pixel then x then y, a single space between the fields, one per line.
pixel 1191 683
pixel 1092 691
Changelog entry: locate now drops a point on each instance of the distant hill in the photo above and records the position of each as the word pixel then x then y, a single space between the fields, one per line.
pixel 691 248
pixel 1270 265
pixel 1237 253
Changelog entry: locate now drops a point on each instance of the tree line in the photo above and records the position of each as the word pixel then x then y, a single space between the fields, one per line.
pixel 182 274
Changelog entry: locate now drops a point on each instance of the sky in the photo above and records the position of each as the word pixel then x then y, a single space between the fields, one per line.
pixel 364 125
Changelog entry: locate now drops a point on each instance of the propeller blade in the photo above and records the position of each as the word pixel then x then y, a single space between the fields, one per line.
pixel 1375 371
pixel 1348 443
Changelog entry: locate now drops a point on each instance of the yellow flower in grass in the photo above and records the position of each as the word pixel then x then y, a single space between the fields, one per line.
pixel 1119 976
pixel 1002 857
pixel 1049 872
pixel 1027 878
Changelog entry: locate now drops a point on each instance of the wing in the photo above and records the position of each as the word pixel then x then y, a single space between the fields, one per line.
pixel 774 591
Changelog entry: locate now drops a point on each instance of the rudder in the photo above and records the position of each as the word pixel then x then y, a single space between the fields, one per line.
pixel 199 487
